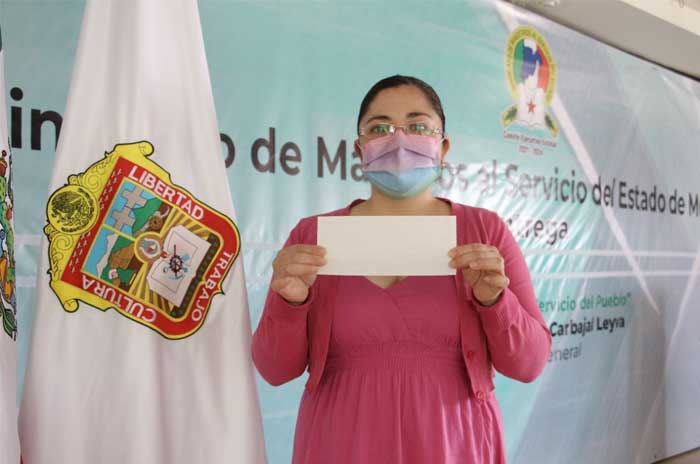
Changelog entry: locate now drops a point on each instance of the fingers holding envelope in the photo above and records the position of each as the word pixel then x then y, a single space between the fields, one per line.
pixel 295 269
pixel 483 270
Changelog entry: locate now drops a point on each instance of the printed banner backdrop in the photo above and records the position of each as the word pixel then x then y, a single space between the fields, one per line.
pixel 588 153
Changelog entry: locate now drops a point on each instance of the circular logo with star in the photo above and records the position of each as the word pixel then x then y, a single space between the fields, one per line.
pixel 531 74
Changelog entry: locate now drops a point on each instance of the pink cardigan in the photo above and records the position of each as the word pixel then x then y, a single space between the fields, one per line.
pixel 510 336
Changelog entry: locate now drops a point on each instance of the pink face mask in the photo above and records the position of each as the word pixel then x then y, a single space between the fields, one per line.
pixel 399 153
pixel 401 165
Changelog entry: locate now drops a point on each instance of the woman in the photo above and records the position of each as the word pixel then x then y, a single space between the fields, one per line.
pixel 401 368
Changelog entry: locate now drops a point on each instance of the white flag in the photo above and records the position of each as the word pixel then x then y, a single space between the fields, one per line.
pixel 136 355
pixel 9 445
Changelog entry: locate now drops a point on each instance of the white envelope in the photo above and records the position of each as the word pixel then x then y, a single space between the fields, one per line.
pixel 387 245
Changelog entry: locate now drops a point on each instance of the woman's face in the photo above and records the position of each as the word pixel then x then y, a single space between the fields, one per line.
pixel 401 106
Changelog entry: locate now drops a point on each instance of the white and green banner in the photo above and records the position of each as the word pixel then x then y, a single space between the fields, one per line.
pixel 589 154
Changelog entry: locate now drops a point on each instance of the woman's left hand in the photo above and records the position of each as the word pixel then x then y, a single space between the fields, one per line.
pixel 483 270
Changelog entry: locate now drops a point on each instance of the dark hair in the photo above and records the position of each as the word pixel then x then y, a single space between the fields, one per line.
pixel 397 81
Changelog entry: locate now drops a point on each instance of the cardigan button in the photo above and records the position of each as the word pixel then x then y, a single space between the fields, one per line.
pixel 470 355
pixel 480 395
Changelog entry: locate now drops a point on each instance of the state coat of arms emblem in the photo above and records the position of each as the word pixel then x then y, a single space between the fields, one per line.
pixel 122 235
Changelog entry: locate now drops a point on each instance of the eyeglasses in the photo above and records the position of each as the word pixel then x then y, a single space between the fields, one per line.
pixel 381 129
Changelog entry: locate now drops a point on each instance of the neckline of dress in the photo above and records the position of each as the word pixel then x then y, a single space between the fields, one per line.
pixel 385 289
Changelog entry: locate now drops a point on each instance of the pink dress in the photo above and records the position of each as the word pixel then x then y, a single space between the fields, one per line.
pixel 395 389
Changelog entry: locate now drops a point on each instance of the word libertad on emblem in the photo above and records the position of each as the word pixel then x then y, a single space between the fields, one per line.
pixel 123 236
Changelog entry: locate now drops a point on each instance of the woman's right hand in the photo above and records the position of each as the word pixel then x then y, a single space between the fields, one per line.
pixel 294 271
